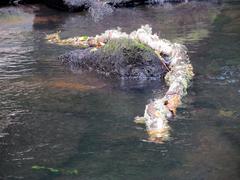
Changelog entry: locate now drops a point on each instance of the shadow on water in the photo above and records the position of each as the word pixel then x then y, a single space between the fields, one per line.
pixel 52 117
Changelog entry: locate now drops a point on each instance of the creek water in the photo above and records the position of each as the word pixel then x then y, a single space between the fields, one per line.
pixel 53 117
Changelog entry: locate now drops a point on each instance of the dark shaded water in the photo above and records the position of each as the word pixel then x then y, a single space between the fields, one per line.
pixel 50 116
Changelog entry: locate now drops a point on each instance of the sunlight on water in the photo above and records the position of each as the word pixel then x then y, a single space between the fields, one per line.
pixel 63 121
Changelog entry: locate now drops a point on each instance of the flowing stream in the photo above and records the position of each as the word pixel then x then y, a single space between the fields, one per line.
pixel 56 118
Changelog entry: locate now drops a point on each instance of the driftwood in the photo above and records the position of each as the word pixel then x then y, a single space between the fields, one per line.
pixel 178 77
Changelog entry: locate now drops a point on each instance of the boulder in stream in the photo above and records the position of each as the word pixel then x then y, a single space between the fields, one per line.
pixel 119 58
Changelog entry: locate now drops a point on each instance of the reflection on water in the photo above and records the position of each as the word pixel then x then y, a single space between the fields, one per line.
pixel 50 116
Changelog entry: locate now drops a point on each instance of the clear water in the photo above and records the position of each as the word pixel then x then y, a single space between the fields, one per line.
pixel 52 117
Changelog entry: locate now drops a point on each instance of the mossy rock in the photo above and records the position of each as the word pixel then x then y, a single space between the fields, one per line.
pixel 120 58
pixel 130 46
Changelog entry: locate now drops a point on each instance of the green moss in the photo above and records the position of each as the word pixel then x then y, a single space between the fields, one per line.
pixel 55 171
pixel 142 46
pixel 124 43
pixel 132 51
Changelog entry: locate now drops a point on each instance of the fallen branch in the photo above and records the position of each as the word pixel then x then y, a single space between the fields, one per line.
pixel 178 77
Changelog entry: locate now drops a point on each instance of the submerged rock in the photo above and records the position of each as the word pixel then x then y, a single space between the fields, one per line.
pixel 119 58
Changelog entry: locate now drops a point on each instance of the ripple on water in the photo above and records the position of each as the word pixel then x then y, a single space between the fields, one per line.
pixel 46 119
pixel 16 42
pixel 225 76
